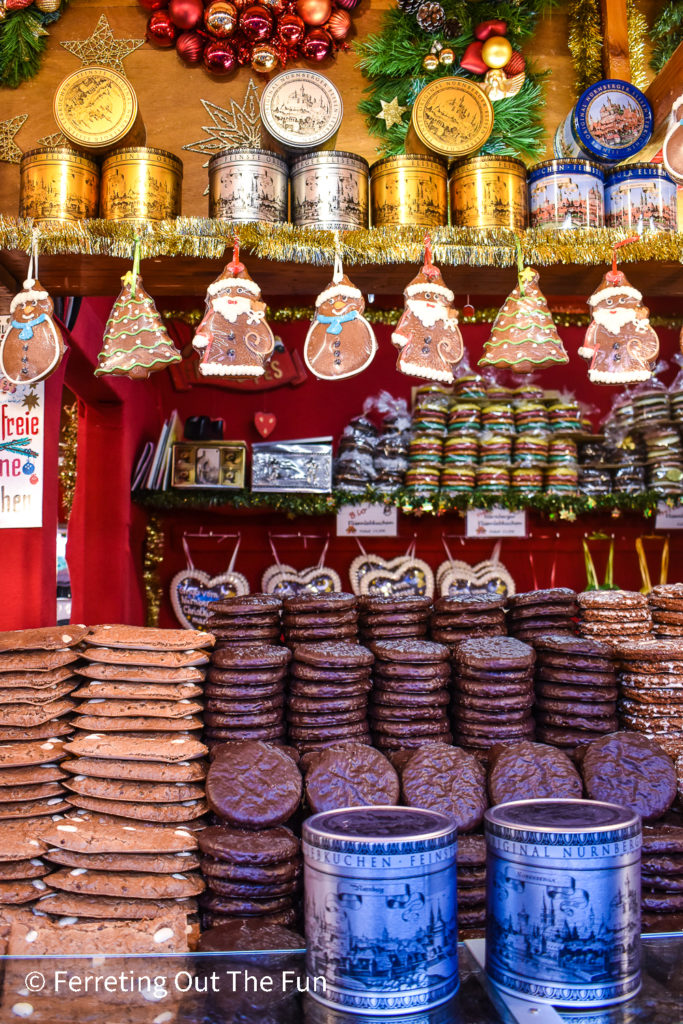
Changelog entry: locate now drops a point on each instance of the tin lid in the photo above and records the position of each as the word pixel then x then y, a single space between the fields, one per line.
pixel 330 156
pixel 144 153
pixel 638 170
pixel 489 162
pixel 95 107
pixel 409 160
pixel 562 166
pixel 452 116
pixel 561 822
pixel 301 109
pixel 384 827
pixel 247 153
pixel 612 120
pixel 44 154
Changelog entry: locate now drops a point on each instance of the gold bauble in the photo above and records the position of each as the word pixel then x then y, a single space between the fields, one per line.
pixel 220 18
pixel 447 56
pixel 496 52
pixel 430 62
pixel 3 11
pixel 264 58
pixel 314 12
pixel 48 6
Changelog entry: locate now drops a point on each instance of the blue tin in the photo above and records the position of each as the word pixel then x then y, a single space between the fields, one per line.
pixel 380 909
pixel 612 121
pixel 641 197
pixel 566 194
pixel 563 901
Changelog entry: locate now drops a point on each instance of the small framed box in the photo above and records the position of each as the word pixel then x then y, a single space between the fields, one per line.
pixel 210 464
pixel 303 465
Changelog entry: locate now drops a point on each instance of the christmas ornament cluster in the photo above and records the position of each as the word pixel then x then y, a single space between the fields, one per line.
pixel 44 6
pixel 227 34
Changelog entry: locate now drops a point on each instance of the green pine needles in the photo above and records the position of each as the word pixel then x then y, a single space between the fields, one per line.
pixel 392 61
pixel 667 33
pixel 22 41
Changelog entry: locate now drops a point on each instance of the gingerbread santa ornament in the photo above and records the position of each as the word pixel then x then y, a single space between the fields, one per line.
pixel 234 338
pixel 620 344
pixel 340 342
pixel 33 346
pixel 427 335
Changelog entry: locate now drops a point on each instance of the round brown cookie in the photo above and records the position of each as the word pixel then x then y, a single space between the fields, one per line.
pixel 491 730
pixel 18 891
pixel 493 689
pixel 33 808
pixel 50 730
pixel 662 902
pixel 601 709
pixel 28 791
pixel 395 713
pixel 414 727
pixel 82 905
pixel 142 771
pixel 234 694
pixel 285 918
pixel 319 719
pixel 613 630
pixel 467 878
pixel 248 604
pixel 123 789
pixel 516 676
pixel 494 654
pixel 23 870
pixel 471 897
pixel 317 673
pixel 251 677
pixel 330 654
pixel 250 656
pixel 454 635
pixel 501 717
pixel 351 776
pixel 127 885
pixel 307 733
pixel 245 705
pixel 393 698
pixel 221 720
pixel 612 599
pixel 457 603
pixel 134 707
pixel 313 704
pixel 567 665
pixel 270 618
pixel 625 616
pixel 150 747
pixel 249 848
pixel 386 743
pixel 651 650
pixel 408 686
pixel 86 834
pixel 371 619
pixel 443 778
pixel 33 775
pixel 574 677
pixel 666 592
pixel 540 617
pixel 412 682
pixel 465 622
pixel 647 720
pixel 271 874
pixel 316 618
pixel 487 704
pixel 384 605
pixel 467 917
pixel 667 615
pixel 254 785
pixel 410 652
pixel 572 647
pixel 157 863
pixel 667 631
pixel 247 634
pixel 404 631
pixel 663 864
pixel 228 887
pixel 631 770
pixel 320 603
pixel 666 673
pixel 567 720
pixel 242 734
pixel 44 638
pixel 531 771
pixel 311 691
pixel 653 695
pixel 404 671
pixel 95 723
pixel 662 838
pixel 249 934
pixel 216 904
pixel 653 709
pixel 661 883
pixel 554 691
pixel 321 634
pixel 160 812
pixel 551 596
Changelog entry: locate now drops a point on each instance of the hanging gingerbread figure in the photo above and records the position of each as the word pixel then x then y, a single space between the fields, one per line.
pixel 427 334
pixel 620 344
pixel 33 347
pixel 234 338
pixel 340 341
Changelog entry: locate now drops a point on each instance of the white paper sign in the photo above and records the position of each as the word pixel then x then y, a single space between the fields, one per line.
pixel 21 454
pixel 669 518
pixel 495 522
pixel 367 521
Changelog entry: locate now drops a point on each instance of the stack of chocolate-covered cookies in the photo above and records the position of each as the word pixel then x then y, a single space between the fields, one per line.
pixel 576 689
pixel 328 694
pixel 470 873
pixel 314 618
pixel 250 861
pixel 466 615
pixel 612 615
pixel 410 693
pixel 651 689
pixel 492 692
pixel 662 878
pixel 245 693
pixel 666 608
pixel 384 618
pixel 542 611
pixel 250 619
pixel 139 723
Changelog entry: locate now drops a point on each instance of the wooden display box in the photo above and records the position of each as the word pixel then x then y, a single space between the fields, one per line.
pixel 209 464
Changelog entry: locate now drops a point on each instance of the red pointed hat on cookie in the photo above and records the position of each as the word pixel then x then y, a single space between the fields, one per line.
pixel 428 279
pixel 233 275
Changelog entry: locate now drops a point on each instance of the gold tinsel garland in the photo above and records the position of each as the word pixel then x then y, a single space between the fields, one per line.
pixel 153 557
pixel 203 238
pixel 637 34
pixel 68 444
pixel 585 42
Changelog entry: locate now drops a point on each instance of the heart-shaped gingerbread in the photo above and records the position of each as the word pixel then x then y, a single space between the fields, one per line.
pixel 365 563
pixel 487 577
pixel 285 581
pixel 413 578
pixel 193 592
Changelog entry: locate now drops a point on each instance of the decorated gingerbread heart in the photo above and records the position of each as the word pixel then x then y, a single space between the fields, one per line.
pixel 285 581
pixel 413 578
pixel 194 592
pixel 490 577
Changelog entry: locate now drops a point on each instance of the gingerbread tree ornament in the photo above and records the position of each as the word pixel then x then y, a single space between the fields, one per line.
pixel 136 342
pixel 427 335
pixel 523 337
pixel 340 342
pixel 620 344
pixel 234 338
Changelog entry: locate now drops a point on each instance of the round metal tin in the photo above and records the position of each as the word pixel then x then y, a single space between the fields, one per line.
pixel 380 893
pixel 409 190
pixel 58 185
pixel 96 108
pixel 612 121
pixel 563 901
pixel 452 117
pixel 641 197
pixel 488 192
pixel 565 194
pixel 330 190
pixel 301 109
pixel 141 184
pixel 248 185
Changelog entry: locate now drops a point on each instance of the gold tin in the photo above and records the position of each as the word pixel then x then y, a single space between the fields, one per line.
pixel 97 109
pixel 409 190
pixel 488 192
pixel 141 184
pixel 452 117
pixel 58 185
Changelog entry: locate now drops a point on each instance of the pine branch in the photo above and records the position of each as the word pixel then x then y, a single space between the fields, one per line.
pixel 22 42
pixel 667 33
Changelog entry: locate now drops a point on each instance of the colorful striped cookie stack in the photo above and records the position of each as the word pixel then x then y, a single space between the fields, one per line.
pixel 410 694
pixel 251 619
pixel 651 689
pixel 312 618
pixel 541 611
pixel 666 608
pixel 137 750
pixel 382 618
pixel 425 449
pixel 467 615
pixel 245 694
pixel 612 615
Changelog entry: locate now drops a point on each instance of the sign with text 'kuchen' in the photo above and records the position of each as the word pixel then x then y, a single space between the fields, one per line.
pixel 21 454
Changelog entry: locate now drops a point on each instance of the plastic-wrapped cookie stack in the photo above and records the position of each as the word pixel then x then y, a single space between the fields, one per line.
pixel 354 465
pixel 651 689
pixel 466 615
pixel 562 472
pixel 251 862
pixel 541 611
pixel 382 618
pixel 410 693
pixel 251 619
pixel 495 446
pixel 461 447
pixel 314 618
pixel 492 692
pixel 612 615
pixel 576 689
pixel 596 458
pixel 145 716
pixel 666 608
pixel 245 694
pixel 530 449
pixel 425 450
pixel 327 700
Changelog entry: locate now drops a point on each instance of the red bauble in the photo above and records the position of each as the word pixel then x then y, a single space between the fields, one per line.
pixel 219 57
pixel 515 65
pixel 472 61
pixel 290 29
pixel 493 27
pixel 314 12
pixel 276 7
pixel 348 5
pixel 160 30
pixel 190 47
pixel 153 5
pixel 186 14
pixel 339 25
pixel 257 23
pixel 317 45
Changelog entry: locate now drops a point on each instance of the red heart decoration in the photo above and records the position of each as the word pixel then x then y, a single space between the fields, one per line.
pixel 471 60
pixel 493 27
pixel 265 423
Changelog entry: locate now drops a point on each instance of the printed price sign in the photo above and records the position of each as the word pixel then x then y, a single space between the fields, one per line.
pixel 367 521
pixel 669 518
pixel 495 522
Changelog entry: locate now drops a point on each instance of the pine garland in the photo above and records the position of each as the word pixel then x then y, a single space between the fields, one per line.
pixel 667 33
pixel 23 36
pixel 392 61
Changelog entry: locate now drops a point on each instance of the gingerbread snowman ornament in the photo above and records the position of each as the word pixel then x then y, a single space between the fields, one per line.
pixel 427 335
pixel 234 338
pixel 33 347
pixel 340 342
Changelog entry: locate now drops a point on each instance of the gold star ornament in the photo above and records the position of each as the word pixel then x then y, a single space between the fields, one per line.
pixel 9 151
pixel 101 49
pixel 391 113
pixel 30 401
